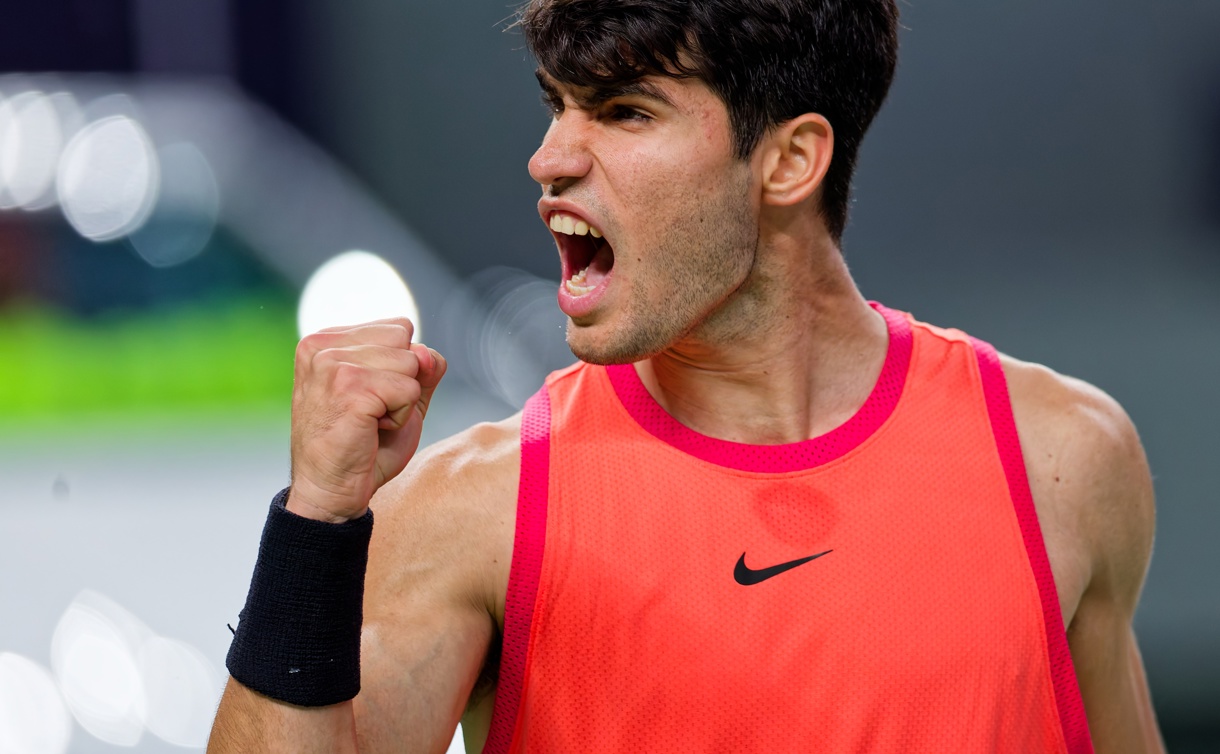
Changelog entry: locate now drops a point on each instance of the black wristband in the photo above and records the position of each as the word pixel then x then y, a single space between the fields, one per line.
pixel 298 639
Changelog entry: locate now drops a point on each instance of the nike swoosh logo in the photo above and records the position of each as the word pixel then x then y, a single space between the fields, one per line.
pixel 747 576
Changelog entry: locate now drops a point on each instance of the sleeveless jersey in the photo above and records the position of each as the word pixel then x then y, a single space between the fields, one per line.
pixel 664 593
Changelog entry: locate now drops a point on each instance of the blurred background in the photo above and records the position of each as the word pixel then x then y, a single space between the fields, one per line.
pixel 185 185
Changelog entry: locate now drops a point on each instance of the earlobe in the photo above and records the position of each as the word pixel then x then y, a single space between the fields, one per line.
pixel 797 159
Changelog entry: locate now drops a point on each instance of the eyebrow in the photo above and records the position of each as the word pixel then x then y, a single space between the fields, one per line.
pixel 600 95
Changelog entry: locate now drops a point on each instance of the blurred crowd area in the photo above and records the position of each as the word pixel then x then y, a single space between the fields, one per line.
pixel 188 185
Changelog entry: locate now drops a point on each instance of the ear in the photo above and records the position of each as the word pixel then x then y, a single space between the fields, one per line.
pixel 796 159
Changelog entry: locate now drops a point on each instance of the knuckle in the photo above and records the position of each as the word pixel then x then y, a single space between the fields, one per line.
pixel 408 363
pixel 347 377
pixel 326 361
pixel 403 332
pixel 306 348
pixel 408 389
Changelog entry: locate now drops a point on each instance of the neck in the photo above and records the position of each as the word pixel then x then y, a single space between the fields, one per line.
pixel 792 354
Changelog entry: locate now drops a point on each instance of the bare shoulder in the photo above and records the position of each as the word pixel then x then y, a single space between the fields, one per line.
pixel 452 513
pixel 1090 483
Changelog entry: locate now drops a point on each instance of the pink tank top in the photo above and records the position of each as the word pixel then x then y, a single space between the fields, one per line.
pixel 881 588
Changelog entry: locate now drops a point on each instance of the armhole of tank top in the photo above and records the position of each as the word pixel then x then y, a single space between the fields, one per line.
pixel 528 545
pixel 1008 444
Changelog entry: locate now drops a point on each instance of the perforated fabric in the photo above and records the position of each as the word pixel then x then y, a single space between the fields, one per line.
pixel 921 630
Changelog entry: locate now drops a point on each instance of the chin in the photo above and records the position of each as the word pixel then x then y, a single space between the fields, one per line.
pixel 606 346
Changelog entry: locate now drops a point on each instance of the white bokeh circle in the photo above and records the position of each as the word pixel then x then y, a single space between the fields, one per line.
pixel 352 288
pixel 33 718
pixel 93 655
pixel 182 690
pixel 108 178
pixel 29 150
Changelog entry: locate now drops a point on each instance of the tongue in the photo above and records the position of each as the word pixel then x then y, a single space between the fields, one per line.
pixel 600 266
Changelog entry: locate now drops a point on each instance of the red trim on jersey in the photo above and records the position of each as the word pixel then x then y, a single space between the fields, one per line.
pixel 1063 674
pixel 775 459
pixel 528 545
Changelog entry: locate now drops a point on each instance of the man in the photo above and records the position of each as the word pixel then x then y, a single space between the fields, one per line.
pixel 760 514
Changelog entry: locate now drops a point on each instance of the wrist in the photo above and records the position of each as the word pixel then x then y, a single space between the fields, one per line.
pixel 298 636
pixel 307 501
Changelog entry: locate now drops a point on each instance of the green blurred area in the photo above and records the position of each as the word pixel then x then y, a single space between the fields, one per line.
pixel 212 359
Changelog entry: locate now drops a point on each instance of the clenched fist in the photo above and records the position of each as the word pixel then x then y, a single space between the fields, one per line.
pixel 358 406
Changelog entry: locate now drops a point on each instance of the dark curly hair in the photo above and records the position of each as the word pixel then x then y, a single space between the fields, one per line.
pixel 768 60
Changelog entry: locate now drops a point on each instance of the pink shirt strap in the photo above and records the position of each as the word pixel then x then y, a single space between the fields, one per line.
pixel 528 546
pixel 1063 674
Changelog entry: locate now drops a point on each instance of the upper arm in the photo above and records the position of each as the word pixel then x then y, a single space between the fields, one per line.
pixel 441 541
pixel 1094 496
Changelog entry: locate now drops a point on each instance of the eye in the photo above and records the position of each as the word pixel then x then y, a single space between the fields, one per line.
pixel 625 113
pixel 552 104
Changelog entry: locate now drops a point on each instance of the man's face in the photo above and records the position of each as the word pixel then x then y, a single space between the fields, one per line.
pixel 650 168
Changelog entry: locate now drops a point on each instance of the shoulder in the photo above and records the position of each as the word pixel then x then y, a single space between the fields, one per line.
pixel 1089 479
pixel 450 515
pixel 482 459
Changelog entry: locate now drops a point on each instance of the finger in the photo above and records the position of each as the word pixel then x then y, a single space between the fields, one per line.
pixel 391 335
pixel 397 360
pixel 429 380
pixel 432 366
pixel 353 390
pixel 394 321
pixel 397 395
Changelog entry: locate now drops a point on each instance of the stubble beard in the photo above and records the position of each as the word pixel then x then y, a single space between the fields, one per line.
pixel 703 259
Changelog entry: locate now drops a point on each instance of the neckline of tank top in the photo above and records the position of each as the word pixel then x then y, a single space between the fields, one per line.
pixel 777 459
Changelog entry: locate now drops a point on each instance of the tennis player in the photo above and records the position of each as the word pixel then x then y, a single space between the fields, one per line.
pixel 759 514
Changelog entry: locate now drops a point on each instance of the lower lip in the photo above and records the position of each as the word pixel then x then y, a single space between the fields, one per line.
pixel 582 306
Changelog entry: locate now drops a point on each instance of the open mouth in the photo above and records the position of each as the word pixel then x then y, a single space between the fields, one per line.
pixel 587 256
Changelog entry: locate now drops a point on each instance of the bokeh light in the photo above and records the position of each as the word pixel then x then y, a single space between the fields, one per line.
pixel 119 678
pixel 9 144
pixel 93 654
pixel 352 288
pixel 108 178
pixel 522 338
pixel 31 139
pixel 184 217
pixel 33 718
pixel 182 690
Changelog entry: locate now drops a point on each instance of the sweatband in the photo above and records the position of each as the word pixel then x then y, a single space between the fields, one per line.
pixel 298 638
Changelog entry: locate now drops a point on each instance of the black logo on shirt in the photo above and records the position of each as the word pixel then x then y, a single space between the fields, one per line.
pixel 748 577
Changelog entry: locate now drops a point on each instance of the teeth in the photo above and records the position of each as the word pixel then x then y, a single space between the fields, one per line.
pixel 572 226
pixel 576 285
pixel 577 290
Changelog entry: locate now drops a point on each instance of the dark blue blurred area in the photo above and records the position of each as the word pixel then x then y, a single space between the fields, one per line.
pixel 1045 175
pixel 67 35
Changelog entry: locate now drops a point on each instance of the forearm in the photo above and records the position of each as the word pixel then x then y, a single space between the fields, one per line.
pixel 250 722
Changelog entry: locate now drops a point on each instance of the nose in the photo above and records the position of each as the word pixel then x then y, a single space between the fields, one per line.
pixel 564 157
